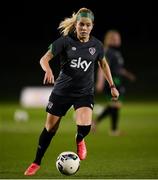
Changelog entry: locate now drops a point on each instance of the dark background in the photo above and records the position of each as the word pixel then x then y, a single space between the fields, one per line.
pixel 27 29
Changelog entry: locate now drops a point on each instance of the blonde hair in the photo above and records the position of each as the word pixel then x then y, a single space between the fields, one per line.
pixel 68 24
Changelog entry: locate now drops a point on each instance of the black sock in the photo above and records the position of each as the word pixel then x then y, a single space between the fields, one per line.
pixel 105 112
pixel 44 141
pixel 82 131
pixel 114 118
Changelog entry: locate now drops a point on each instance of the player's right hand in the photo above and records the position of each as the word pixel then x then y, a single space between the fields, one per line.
pixel 49 77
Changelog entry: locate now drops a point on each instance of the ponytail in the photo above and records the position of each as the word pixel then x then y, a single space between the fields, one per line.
pixel 67 25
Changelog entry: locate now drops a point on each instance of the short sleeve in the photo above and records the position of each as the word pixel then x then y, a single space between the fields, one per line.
pixel 57 46
pixel 101 52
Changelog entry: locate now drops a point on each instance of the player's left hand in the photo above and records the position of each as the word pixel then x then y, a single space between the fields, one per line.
pixel 114 93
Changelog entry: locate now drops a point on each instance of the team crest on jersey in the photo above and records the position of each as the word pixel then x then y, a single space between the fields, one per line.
pixel 92 50
pixel 50 104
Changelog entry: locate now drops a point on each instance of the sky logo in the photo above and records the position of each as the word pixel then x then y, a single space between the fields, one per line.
pixel 79 63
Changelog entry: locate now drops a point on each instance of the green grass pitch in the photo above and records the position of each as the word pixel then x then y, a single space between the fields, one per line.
pixel 132 156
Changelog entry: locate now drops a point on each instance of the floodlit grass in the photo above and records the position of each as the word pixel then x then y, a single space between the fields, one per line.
pixel 134 155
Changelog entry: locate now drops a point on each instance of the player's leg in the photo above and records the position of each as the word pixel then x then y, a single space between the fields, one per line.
pixel 56 108
pixel 83 110
pixel 106 111
pixel 83 121
pixel 51 126
pixel 115 110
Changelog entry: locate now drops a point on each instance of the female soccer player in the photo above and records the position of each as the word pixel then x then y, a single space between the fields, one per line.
pixel 112 43
pixel 75 84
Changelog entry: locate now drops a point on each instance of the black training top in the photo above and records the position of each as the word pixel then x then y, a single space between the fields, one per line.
pixel 76 77
pixel 115 60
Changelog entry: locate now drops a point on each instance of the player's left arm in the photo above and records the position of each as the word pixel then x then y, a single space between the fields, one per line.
pixel 107 74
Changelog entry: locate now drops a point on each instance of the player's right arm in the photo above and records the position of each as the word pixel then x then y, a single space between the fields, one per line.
pixel 55 49
pixel 44 62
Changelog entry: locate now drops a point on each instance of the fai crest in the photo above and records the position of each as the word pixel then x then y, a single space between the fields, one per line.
pixel 74 48
pixel 92 50
pixel 50 104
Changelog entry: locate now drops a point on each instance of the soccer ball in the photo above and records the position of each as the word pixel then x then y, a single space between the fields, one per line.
pixel 68 163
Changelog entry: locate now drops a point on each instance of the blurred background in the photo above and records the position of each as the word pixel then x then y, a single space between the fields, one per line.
pixel 27 29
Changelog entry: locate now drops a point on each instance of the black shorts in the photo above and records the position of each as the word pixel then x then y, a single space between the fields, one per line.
pixel 59 105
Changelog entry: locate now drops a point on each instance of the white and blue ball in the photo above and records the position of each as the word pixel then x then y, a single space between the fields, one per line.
pixel 68 163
